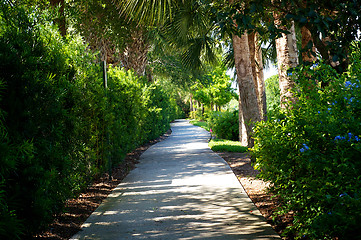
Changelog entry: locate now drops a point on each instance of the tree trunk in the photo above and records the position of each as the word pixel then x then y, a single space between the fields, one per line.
pixel 257 71
pixel 287 57
pixel 249 110
pixel 252 57
pixel 191 103
pixel 135 54
pixel 262 103
pixel 61 20
pixel 308 48
pixel 242 126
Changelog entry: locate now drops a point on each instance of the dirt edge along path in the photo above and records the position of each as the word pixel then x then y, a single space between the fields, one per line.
pixel 256 190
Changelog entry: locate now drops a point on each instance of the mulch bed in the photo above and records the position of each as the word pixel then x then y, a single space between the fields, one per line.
pixel 79 209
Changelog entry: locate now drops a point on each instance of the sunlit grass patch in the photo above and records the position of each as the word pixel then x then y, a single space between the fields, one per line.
pixel 221 145
pixel 200 124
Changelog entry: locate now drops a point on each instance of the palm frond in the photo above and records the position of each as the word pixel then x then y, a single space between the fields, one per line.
pixel 228 55
pixel 269 54
pixel 191 56
pixel 150 12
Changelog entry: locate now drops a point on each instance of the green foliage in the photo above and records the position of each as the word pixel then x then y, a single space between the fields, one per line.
pixel 272 94
pixel 311 153
pixel 221 145
pixel 198 115
pixel 58 126
pixel 98 21
pixel 10 226
pixel 224 125
pixel 319 16
pixel 161 110
pixel 217 91
pixel 201 124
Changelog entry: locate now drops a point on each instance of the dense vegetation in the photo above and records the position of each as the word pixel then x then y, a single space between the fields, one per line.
pixel 273 94
pixel 311 152
pixel 59 127
pixel 222 124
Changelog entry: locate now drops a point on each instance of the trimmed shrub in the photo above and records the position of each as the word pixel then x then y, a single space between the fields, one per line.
pixel 224 124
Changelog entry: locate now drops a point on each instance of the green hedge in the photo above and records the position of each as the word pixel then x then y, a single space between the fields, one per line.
pixel 224 125
pixel 58 126
pixel 311 153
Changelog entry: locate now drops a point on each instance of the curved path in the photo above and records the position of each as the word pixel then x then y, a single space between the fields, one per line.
pixel 179 190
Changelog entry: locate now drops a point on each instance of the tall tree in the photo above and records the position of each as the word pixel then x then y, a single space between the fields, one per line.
pixel 257 70
pixel 249 111
pixel 287 57
pixel 199 41
pixel 119 40
pixel 134 56
pixel 308 48
pixel 61 21
pixel 262 103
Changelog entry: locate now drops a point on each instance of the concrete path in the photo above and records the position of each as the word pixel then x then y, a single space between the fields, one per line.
pixel 179 190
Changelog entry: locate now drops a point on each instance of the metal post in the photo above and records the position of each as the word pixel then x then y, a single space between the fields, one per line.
pixel 105 79
pixel 105 83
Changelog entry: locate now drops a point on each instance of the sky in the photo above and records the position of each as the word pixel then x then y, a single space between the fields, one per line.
pixel 272 70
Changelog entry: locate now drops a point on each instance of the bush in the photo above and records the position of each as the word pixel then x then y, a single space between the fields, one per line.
pixel 224 124
pixel 59 128
pixel 197 115
pixel 311 153
pixel 160 111
pixel 38 101
pixel 10 226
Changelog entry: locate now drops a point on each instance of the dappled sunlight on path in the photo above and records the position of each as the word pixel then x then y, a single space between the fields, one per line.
pixel 179 190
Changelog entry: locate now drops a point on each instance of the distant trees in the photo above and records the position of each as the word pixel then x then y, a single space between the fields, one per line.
pixel 215 92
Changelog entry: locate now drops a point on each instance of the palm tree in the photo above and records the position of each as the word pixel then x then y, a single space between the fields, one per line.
pixel 308 48
pixel 257 70
pixel 287 57
pixel 134 55
pixel 61 20
pixel 248 111
pixel 190 29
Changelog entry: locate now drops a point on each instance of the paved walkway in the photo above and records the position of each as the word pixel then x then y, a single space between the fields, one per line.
pixel 179 190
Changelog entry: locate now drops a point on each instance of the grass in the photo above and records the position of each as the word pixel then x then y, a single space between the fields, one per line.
pixel 200 124
pixel 222 145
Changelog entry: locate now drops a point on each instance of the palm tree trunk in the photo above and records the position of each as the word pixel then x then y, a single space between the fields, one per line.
pixel 252 57
pixel 257 71
pixel 308 48
pixel 287 57
pixel 262 103
pixel 249 110
pixel 191 103
pixel 242 125
pixel 135 53
pixel 61 20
